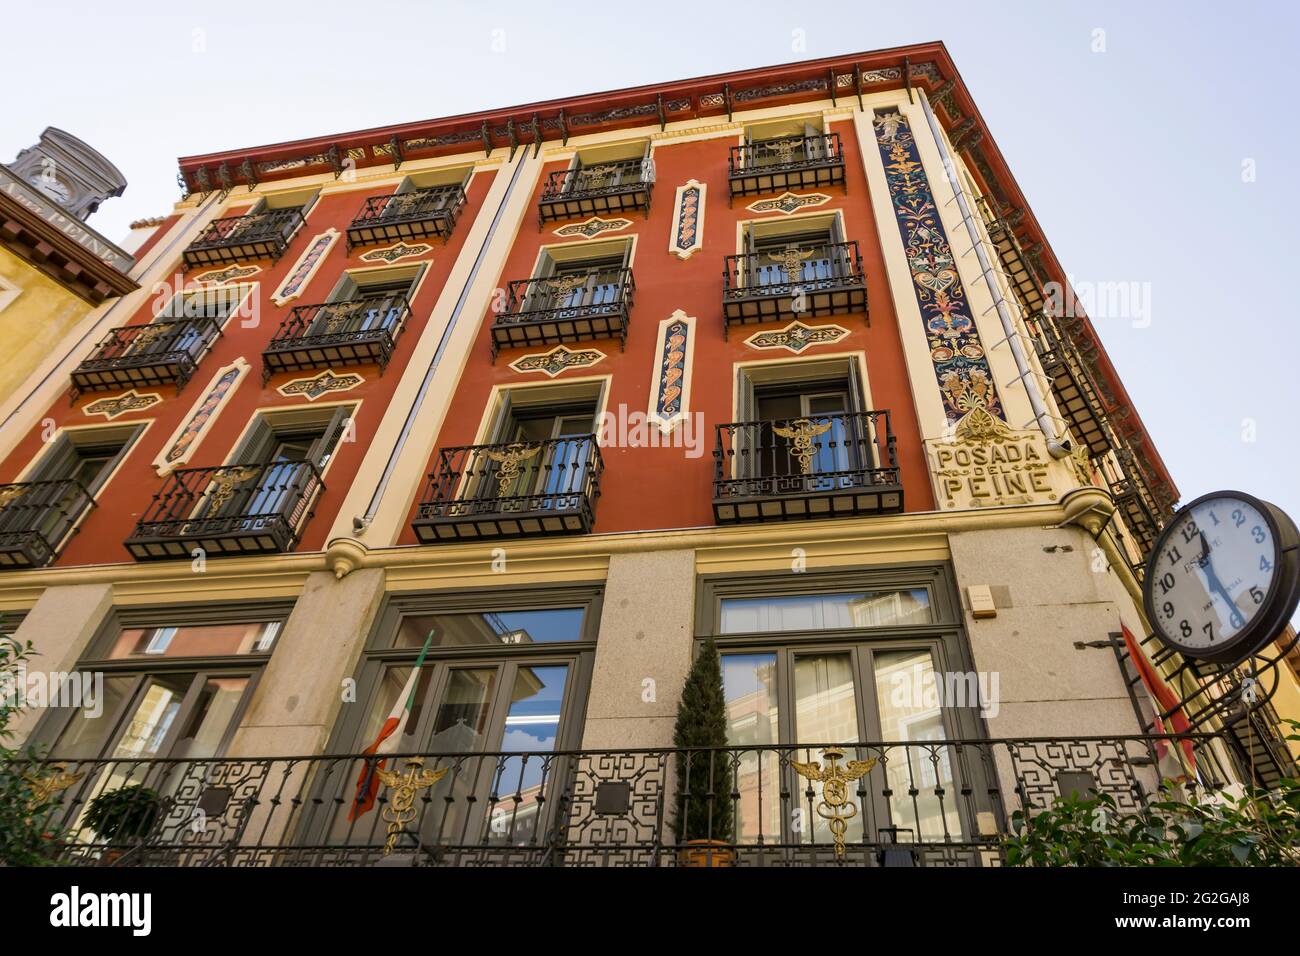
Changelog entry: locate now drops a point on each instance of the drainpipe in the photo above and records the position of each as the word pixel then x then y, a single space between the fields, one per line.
pixel 361 522
pixel 1057 446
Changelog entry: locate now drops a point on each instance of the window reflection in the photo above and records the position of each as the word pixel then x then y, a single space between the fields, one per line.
pixel 492 628
pixel 826 712
pixel 532 725
pixel 910 711
pixel 207 640
pixel 823 612
pixel 749 684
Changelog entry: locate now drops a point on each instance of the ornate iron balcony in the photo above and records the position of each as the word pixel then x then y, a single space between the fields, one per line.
pixel 511 490
pixel 601 190
pixel 37 518
pixel 233 509
pixel 356 332
pixel 574 307
pixel 159 353
pixel 787 162
pixel 407 216
pixel 930 803
pixel 801 280
pixel 1072 384
pixel 822 466
pixel 263 235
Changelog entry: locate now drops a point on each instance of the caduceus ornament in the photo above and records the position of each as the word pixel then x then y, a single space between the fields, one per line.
pixel 803 431
pixel 835 807
pixel 404 786
pixel 509 460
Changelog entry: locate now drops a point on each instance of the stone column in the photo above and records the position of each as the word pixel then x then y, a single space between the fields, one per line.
pixel 59 627
pixel 299 696
pixel 647 626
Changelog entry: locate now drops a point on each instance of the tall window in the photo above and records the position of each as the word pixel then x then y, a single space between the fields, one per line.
pixel 856 662
pixel 156 697
pixel 501 688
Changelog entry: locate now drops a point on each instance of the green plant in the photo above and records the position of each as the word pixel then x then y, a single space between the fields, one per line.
pixel 704 807
pixel 26 834
pixel 1259 828
pixel 125 814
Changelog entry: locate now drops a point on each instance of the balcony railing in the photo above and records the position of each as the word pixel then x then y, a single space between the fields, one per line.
pixel 512 490
pixel 574 307
pixel 931 803
pixel 356 332
pixel 787 162
pixel 159 353
pixel 233 509
pixel 801 280
pixel 407 216
pixel 598 190
pixel 37 518
pixel 822 466
pixel 263 235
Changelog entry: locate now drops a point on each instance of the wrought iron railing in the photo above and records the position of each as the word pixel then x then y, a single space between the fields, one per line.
pixel 383 217
pixel 575 306
pixel 785 152
pixel 597 179
pixel 811 265
pixel 936 802
pixel 36 519
pixel 825 457
pixel 231 509
pixel 800 279
pixel 166 351
pixel 257 235
pixel 338 333
pixel 516 488
pixel 599 189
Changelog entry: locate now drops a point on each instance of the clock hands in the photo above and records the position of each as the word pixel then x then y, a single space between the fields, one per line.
pixel 1235 617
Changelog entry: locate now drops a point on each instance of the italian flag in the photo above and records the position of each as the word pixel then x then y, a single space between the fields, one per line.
pixel 388 739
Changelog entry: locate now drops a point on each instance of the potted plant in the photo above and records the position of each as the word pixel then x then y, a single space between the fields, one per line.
pixel 704 818
pixel 124 815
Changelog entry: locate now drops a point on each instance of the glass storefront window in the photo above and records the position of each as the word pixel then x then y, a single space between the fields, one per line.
pixel 206 640
pixel 749 685
pixel 910 711
pixel 492 628
pixel 825 612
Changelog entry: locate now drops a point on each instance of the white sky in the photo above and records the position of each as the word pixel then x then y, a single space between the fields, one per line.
pixel 1132 157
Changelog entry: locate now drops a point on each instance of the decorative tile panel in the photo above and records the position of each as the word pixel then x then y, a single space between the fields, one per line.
pixel 131 401
pixel 228 274
pixel 687 234
pixel 185 440
pixel 796 337
pixel 670 387
pixel 788 203
pixel 295 283
pixel 592 228
pixel 390 254
pixel 557 360
pixel 326 383
pixel 960 364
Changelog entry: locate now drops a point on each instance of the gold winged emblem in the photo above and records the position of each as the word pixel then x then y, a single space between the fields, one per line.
pixel 791 260
pixel 11 494
pixel 509 460
pixel 835 806
pixel 803 431
pixel 56 780
pixel 223 487
pixel 401 805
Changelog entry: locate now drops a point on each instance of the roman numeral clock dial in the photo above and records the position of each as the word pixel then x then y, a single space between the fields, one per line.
pixel 1223 579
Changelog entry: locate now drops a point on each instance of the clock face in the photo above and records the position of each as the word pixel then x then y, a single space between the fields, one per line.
pixel 52 187
pixel 1213 578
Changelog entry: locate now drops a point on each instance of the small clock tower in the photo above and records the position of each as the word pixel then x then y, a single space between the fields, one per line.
pixel 67 171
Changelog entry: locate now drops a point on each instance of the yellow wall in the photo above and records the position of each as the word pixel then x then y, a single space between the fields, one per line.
pixel 35 324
